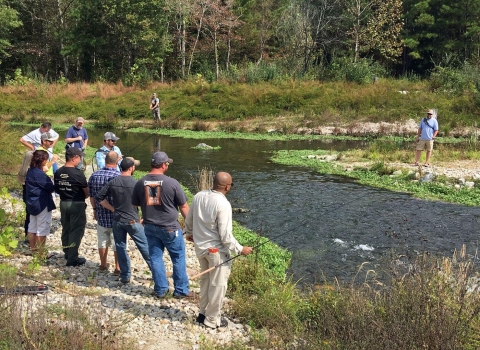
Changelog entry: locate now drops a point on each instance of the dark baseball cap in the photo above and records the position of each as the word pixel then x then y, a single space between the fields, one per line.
pixel 74 151
pixel 128 162
pixel 160 158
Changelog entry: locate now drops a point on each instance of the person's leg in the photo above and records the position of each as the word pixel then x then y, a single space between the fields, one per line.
pixel 65 221
pixel 418 154
pixel 32 232
pixel 204 262
pixel 427 158
pixel 111 242
pixel 218 280
pixel 137 234
pixel 44 220
pixel 155 249
pixel 120 238
pixel 175 245
pixel 78 220
pixel 102 246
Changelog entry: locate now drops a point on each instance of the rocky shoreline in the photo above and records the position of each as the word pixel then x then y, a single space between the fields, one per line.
pixel 148 322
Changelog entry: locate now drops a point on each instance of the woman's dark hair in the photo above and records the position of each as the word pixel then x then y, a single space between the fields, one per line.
pixel 38 158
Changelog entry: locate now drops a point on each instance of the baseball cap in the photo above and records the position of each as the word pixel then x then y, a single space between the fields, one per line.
pixel 128 162
pixel 80 119
pixel 47 136
pixel 430 111
pixel 110 136
pixel 160 157
pixel 74 151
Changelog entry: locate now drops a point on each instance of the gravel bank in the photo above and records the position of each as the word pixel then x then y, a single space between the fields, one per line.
pixel 149 322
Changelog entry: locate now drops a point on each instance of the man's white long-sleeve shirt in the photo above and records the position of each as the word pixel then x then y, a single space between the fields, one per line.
pixel 210 221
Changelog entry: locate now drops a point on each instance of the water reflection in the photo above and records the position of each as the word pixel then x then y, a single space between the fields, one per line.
pixel 331 224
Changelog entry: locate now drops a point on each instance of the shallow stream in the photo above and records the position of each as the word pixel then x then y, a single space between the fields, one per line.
pixel 331 224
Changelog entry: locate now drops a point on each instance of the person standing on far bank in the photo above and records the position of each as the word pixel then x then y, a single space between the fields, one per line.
pixel 155 107
pixel 426 133
pixel 209 223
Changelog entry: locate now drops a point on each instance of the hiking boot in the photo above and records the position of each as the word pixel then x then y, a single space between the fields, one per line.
pixel 190 295
pixel 78 262
pixel 200 318
pixel 125 281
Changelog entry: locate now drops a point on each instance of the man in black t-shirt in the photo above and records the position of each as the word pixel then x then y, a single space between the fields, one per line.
pixel 71 185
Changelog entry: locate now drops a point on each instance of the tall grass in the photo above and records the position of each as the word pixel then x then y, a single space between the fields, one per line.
pixel 318 103
pixel 429 303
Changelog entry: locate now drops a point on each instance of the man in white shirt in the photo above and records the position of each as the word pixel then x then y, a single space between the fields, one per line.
pixel 209 222
pixel 33 139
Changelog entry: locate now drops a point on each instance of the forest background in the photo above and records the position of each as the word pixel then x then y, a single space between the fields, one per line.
pixel 139 41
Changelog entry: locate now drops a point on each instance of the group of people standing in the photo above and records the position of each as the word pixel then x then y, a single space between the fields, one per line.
pixel 115 197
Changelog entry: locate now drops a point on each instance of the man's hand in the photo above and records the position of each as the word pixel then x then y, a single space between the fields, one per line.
pixel 54 158
pixel 79 138
pixel 246 250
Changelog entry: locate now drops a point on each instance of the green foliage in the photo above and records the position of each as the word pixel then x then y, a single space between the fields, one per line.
pixel 18 79
pixel 361 72
pixel 456 80
pixel 9 223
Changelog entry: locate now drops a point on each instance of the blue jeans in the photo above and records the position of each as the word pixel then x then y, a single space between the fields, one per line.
pixel 159 239
pixel 136 233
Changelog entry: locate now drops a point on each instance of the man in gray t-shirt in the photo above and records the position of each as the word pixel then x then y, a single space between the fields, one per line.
pixel 160 197
pixel 125 216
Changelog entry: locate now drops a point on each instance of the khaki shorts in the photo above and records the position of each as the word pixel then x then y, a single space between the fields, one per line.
pixel 426 145
pixel 105 237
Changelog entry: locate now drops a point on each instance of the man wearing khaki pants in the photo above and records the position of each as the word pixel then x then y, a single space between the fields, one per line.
pixel 209 223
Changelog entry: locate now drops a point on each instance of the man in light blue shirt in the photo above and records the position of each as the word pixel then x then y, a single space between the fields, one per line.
pixel 426 133
pixel 109 144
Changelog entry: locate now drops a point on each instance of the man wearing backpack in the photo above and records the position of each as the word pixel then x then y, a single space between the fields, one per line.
pixel 426 133
pixel 109 144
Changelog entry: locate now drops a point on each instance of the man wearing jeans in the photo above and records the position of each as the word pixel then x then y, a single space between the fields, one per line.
pixel 125 216
pixel 160 197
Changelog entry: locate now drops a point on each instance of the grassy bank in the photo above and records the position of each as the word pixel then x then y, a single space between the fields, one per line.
pixel 286 104
pixel 379 174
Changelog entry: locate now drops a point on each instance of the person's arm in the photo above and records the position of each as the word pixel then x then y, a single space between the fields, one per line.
pixel 70 137
pixel 419 133
pixel 85 142
pixel 56 135
pixel 107 205
pixel 184 209
pixel 85 191
pixel 27 144
pixel 189 226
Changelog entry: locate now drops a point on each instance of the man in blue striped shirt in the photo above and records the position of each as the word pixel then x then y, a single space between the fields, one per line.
pixel 103 216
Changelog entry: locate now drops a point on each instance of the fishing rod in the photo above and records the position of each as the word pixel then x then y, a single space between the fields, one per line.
pixel 44 285
pixel 260 244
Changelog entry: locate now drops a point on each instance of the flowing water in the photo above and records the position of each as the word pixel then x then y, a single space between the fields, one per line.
pixel 331 224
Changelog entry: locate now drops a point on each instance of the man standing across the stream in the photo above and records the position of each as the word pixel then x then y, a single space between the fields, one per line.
pixel 209 223
pixel 426 133
pixel 155 107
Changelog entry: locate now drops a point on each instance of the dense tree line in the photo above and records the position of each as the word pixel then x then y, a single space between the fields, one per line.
pixel 141 40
